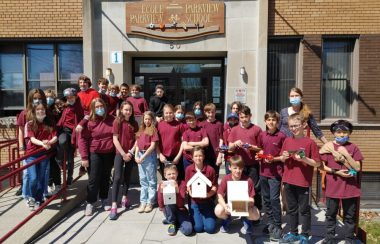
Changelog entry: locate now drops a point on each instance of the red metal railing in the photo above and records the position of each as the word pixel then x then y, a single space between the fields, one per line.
pixel 11 149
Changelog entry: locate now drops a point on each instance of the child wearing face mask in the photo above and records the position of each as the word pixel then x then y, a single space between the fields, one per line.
pixel 42 134
pixel 72 114
pixel 232 121
pixel 341 160
pixel 113 100
pixel 139 103
pixel 179 113
pixel 198 111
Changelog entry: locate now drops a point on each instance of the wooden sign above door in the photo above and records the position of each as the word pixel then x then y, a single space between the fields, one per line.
pixel 175 19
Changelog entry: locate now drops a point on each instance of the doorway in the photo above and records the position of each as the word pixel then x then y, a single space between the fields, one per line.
pixel 185 80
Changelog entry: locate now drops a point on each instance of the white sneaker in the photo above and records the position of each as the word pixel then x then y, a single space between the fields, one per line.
pixel 56 189
pixel 31 203
pixel 89 209
pixel 36 206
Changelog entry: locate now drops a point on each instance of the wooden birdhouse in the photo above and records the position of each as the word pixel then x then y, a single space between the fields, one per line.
pixel 169 193
pixel 238 198
pixel 199 183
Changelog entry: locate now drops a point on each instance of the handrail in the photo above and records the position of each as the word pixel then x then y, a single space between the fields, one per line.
pixel 25 156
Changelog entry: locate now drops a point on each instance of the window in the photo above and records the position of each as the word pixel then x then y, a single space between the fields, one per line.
pixel 282 71
pixel 40 66
pixel 337 78
pixel 70 63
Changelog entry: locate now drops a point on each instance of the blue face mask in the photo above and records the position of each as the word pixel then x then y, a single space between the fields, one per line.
pixel 49 101
pixel 342 140
pixel 197 112
pixel 36 102
pixel 71 102
pixel 100 111
pixel 180 116
pixel 295 101
pixel 113 94
pixel 102 91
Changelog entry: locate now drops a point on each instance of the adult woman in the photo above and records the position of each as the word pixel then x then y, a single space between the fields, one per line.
pixel 298 106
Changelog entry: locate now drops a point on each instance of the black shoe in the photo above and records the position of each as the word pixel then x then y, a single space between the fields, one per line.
pixel 275 234
pixel 69 181
pixel 268 229
pixel 19 192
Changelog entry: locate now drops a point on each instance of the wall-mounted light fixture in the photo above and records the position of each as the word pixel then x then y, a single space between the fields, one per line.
pixel 242 71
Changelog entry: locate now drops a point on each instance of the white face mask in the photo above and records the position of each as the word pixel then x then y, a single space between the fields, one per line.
pixel 40 118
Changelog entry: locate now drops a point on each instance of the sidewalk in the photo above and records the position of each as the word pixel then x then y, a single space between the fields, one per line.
pixel 132 227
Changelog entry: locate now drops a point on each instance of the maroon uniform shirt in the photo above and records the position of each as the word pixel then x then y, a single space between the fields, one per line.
pixel 214 132
pixel 193 135
pixel 170 134
pixel 209 172
pixel 126 132
pixel 139 105
pixel 180 196
pixel 337 186
pixel 144 140
pixel 295 172
pixel 41 134
pixel 222 190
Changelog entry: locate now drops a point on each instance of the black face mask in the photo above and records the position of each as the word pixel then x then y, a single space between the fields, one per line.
pixel 232 124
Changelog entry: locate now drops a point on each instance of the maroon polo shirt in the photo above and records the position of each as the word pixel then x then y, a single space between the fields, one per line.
pixel 139 105
pixel 214 132
pixel 180 196
pixel 144 140
pixel 226 134
pixel 209 172
pixel 341 187
pixel 249 135
pixel 21 119
pixel 126 132
pixel 41 134
pixel 170 134
pixel 222 190
pixel 271 144
pixel 96 137
pixel 113 105
pixel 295 172
pixel 193 135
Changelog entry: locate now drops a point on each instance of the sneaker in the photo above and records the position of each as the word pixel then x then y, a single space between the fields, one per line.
pixel 171 230
pixel 105 205
pixel 304 239
pixel 165 221
pixel 268 229
pixel 289 238
pixel 125 203
pixel 275 234
pixel 113 214
pixel 31 203
pixel 225 227
pixel 19 191
pixel 329 240
pixel 36 206
pixel 89 209
pixel 56 189
pixel 141 209
pixel 247 226
pixel 148 208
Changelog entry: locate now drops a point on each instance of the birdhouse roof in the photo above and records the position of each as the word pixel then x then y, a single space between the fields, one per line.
pixel 200 176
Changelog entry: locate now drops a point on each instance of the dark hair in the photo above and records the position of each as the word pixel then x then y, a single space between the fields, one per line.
pixel 103 81
pixel 341 124
pixel 124 85
pixel 239 104
pixel 245 110
pixel 85 79
pixel 48 123
pixel 196 104
pixel 159 86
pixel 189 115
pixel 272 114
pixel 29 104
pixel 120 116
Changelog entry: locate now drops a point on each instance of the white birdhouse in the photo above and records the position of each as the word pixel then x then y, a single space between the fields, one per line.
pixel 169 193
pixel 238 198
pixel 199 183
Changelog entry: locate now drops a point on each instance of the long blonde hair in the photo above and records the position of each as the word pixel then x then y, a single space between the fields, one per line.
pixel 151 130
pixel 305 110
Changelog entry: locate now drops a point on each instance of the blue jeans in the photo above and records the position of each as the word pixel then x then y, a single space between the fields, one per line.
pixel 186 163
pixel 178 217
pixel 203 217
pixel 270 192
pixel 47 177
pixel 37 177
pixel 25 182
pixel 148 178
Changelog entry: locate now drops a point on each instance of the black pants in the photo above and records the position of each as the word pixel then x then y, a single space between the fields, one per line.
pixel 297 198
pixel 55 173
pixel 349 209
pixel 64 145
pixel 122 175
pixel 210 160
pixel 252 172
pixel 99 179
pixel 270 192
pixel 181 171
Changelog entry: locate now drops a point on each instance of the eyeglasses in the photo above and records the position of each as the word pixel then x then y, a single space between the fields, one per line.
pixel 295 126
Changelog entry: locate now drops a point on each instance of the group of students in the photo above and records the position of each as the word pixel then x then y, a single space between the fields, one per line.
pixel 115 131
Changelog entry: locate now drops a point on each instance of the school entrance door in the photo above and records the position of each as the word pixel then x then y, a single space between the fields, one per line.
pixel 185 80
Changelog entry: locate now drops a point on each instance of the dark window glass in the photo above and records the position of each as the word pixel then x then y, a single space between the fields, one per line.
pixel 40 70
pixel 70 63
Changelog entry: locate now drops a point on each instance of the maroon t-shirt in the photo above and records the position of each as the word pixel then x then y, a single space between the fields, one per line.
pixel 249 135
pixel 226 134
pixel 113 105
pixel 222 190
pixel 271 144
pixel 41 134
pixel 126 132
pixel 180 196
pixel 295 172
pixel 170 134
pixel 144 140
pixel 139 105
pixel 341 187
pixel 21 119
pixel 209 172
pixel 193 135
pixel 214 132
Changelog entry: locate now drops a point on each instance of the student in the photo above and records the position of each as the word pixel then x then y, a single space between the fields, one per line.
pixel 157 102
pixel 341 186
pixel 179 113
pixel 97 152
pixel 86 93
pixel 214 130
pixel 271 170
pixel 202 209
pixel 232 121
pixel 41 132
pixel 176 215
pixel 146 159
pixel 198 111
pixel 300 155
pixel 103 87
pixel 113 100
pixel 222 210
pixel 124 129
pixel 194 136
pixel 139 103
pixel 170 134
pixel 235 108
pixel 244 140
pixel 124 92
pixel 72 114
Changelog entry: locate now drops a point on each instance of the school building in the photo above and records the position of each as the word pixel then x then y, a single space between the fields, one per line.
pixel 252 51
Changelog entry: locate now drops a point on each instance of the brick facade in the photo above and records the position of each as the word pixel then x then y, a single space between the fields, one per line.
pixel 40 19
